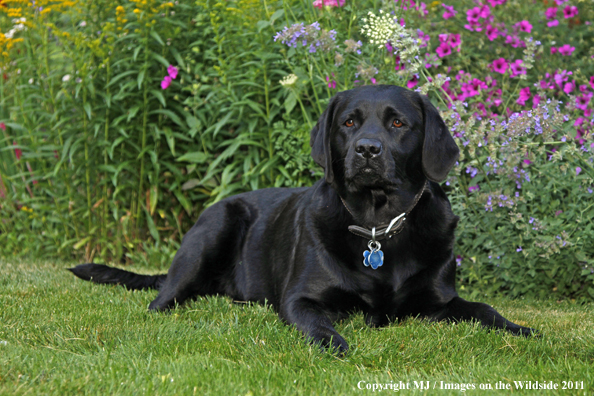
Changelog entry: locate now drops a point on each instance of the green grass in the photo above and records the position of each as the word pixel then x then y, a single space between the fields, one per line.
pixel 60 335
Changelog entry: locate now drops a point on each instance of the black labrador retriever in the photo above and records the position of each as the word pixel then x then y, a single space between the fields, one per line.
pixel 376 234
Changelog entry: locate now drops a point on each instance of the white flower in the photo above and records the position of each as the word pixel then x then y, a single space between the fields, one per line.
pixel 31 81
pixel 66 78
pixel 288 80
pixel 82 24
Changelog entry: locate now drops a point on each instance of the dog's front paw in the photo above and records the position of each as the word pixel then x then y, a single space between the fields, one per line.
pixel 332 341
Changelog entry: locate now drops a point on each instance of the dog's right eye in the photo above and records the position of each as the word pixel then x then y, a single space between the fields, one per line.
pixel 349 123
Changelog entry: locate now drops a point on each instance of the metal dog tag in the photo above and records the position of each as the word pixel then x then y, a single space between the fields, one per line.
pixel 373 257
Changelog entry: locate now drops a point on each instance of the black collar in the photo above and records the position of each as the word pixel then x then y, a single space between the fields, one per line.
pixel 384 231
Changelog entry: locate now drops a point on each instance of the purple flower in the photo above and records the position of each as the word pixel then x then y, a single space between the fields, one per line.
pixel 473 188
pixel 524 96
pixel 444 49
pixel 570 11
pixel 450 12
pixel 516 68
pixel 459 260
pixel 524 26
pixel 172 71
pixel 500 65
pixel 566 49
pixel 551 13
pixel 578 170
pixel 519 249
pixel 491 32
pixel 166 82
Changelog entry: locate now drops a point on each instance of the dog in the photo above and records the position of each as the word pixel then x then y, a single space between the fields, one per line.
pixel 375 234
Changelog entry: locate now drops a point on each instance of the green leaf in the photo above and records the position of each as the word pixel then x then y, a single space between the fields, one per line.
pixel 159 96
pixel 156 36
pixel 87 107
pixel 276 15
pixel 151 226
pixel 160 59
pixel 184 202
pixel 290 103
pixel 197 157
pixel 140 78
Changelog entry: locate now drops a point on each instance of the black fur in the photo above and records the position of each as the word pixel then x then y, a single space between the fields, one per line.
pixel 292 247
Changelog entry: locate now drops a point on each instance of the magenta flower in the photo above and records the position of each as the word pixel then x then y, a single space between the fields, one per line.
pixel 554 50
pixel 495 2
pixel 516 68
pixel 17 151
pixel 553 23
pixel 551 13
pixel 331 84
pixel 172 71
pixel 410 84
pixel 443 38
pixel 329 3
pixel 491 32
pixel 166 82
pixel 524 96
pixel 500 65
pixel 450 12
pixel 473 14
pixel 424 38
pixel 569 87
pixel 570 11
pixel 454 40
pixel 592 82
pixel 473 188
pixel 581 102
pixel 524 26
pixel 444 49
pixel 566 50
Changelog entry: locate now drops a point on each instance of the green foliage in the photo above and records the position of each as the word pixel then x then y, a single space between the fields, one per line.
pixel 97 161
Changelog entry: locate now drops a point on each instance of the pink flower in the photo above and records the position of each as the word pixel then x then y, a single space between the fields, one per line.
pixel 560 2
pixel 566 49
pixel 553 23
pixel 329 3
pixel 450 12
pixel 570 11
pixel 492 32
pixel 516 68
pixel 524 96
pixel 495 2
pixel 500 65
pixel 551 13
pixel 454 40
pixel 424 38
pixel 535 101
pixel 485 12
pixel 331 84
pixel 592 82
pixel 554 50
pixel 373 80
pixel 444 49
pixel 581 102
pixel 17 151
pixel 473 14
pixel 3 126
pixel 443 38
pixel 410 84
pixel 172 71
pixel 569 87
pixel 166 82
pixel 524 26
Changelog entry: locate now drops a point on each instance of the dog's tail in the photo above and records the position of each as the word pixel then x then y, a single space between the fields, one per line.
pixel 100 273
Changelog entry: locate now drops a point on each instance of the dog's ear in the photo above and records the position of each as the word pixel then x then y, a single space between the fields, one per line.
pixel 440 151
pixel 320 140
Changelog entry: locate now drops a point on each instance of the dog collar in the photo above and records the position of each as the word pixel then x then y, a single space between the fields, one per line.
pixel 374 257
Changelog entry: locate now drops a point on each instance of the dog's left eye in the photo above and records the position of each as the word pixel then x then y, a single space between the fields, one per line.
pixel 397 123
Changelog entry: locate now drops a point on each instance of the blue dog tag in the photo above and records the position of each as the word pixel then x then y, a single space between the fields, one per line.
pixel 373 257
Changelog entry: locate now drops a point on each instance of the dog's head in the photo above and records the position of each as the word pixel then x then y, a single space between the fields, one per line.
pixel 381 137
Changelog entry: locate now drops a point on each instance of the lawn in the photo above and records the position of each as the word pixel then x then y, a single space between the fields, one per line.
pixel 60 335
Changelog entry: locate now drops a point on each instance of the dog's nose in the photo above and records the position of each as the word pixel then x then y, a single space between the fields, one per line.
pixel 368 148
